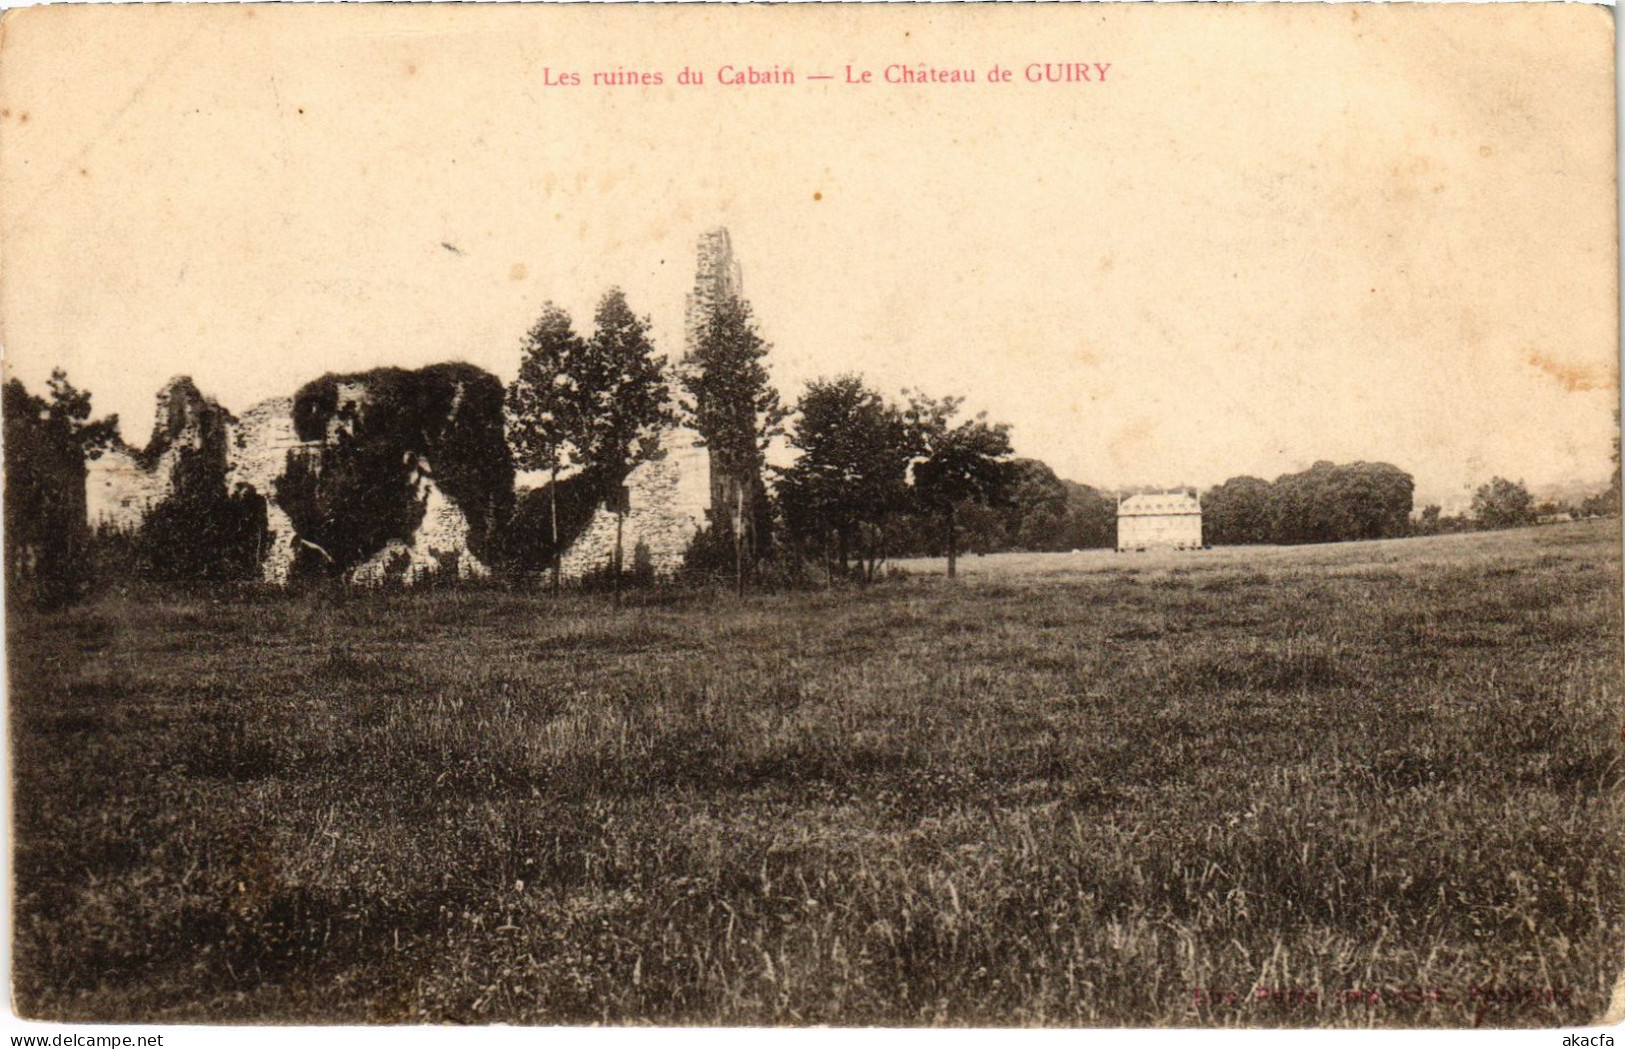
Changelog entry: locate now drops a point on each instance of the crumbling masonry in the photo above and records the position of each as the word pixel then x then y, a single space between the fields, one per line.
pixel 668 496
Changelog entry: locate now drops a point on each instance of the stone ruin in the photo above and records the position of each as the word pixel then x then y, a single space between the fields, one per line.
pixel 667 500
pixel 667 497
pixel 717 278
pixel 124 485
pixel 257 453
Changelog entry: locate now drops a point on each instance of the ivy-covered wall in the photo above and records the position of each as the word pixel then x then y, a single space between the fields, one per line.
pixel 385 444
pixel 390 475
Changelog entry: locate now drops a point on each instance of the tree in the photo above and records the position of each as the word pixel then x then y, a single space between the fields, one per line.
pixel 1329 503
pixel 1503 504
pixel 47 442
pixel 548 417
pixel 1091 518
pixel 1611 498
pixel 1237 512
pixel 736 411
pixel 1372 501
pixel 852 473
pixel 625 401
pixel 1603 504
pixel 1037 503
pixel 955 463
pixel 200 532
pixel 1040 529
pixel 1606 503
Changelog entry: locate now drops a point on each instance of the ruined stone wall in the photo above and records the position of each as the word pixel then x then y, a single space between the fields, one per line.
pixel 669 497
pixel 386 436
pixel 439 544
pixel 256 454
pixel 124 484
pixel 119 493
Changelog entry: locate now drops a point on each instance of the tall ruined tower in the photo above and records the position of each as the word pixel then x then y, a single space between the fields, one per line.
pixel 716 279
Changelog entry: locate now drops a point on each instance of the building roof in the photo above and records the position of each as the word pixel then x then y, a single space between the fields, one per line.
pixel 1157 504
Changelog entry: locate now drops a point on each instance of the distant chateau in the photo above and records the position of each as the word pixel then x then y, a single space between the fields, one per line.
pixel 1165 520
pixel 667 498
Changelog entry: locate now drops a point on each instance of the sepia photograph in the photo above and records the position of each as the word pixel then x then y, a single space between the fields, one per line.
pixel 830 515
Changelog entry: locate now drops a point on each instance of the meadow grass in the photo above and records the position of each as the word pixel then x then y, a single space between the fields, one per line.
pixel 1365 784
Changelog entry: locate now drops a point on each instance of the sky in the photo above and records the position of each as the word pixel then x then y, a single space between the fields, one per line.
pixel 1271 235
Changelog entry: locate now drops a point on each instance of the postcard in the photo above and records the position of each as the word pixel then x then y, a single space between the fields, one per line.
pixel 1097 515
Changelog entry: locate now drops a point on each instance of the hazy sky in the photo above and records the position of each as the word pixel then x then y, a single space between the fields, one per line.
pixel 1272 235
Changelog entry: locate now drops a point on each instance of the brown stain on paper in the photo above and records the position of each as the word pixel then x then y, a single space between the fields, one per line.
pixel 1575 377
pixel 1131 442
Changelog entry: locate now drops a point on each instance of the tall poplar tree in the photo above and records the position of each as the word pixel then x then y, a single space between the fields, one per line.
pixel 626 401
pixel 548 412
pixel 47 441
pixel 736 411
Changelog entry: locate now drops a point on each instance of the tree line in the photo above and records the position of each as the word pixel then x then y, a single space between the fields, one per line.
pixel 870 478
pixel 1502 503
pixel 584 410
pixel 599 405
pixel 868 470
pixel 1326 503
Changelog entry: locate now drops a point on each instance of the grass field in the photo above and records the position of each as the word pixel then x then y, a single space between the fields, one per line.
pixel 1367 784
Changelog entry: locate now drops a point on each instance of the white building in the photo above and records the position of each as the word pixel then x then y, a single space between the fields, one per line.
pixel 1166 520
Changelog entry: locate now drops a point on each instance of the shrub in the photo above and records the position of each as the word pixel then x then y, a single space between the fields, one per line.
pixel 200 532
